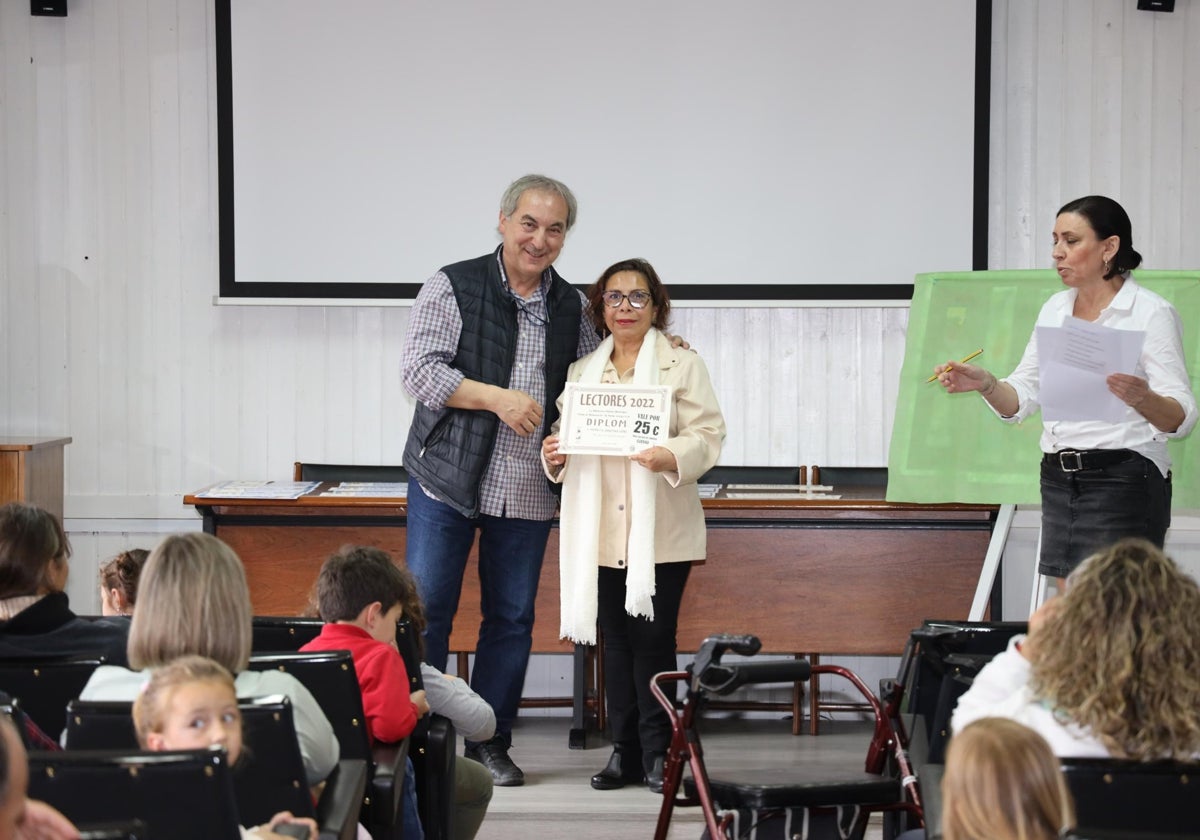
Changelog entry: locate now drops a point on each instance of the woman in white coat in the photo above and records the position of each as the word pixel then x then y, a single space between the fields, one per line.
pixel 631 526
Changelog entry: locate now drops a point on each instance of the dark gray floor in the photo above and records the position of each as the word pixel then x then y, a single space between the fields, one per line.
pixel 558 802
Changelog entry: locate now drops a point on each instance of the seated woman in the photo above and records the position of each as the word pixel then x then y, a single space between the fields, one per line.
pixel 35 615
pixel 1002 782
pixel 1111 668
pixel 193 599
pixel 119 581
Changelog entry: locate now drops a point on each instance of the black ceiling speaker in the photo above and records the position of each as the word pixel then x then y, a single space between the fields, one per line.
pixel 48 8
pixel 1157 5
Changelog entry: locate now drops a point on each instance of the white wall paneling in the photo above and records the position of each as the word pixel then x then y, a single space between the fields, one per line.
pixel 108 257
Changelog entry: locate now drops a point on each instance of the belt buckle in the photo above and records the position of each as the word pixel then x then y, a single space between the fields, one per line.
pixel 1064 455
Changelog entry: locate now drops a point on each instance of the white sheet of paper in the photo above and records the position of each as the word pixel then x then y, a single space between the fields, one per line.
pixel 1074 361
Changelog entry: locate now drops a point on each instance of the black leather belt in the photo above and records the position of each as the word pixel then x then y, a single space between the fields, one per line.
pixel 1074 460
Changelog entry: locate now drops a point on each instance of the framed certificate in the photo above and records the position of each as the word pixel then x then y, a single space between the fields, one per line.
pixel 613 419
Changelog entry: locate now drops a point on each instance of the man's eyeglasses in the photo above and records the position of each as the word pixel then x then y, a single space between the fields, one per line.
pixel 638 298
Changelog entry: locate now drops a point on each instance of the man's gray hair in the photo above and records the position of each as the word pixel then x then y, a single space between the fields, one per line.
pixel 512 195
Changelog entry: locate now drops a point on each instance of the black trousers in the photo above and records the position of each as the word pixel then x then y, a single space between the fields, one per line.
pixel 634 651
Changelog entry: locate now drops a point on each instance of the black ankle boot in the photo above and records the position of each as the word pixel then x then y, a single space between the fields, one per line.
pixel 653 763
pixel 622 769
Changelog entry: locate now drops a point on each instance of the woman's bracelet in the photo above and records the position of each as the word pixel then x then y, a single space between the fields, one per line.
pixel 992 387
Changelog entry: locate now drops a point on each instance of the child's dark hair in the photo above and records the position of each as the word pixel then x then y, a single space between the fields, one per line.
pixel 359 575
pixel 122 573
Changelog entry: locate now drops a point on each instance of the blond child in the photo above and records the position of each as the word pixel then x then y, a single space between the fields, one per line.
pixel 191 704
pixel 1002 782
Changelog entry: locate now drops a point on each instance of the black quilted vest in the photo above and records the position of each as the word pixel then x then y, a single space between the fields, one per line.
pixel 448 450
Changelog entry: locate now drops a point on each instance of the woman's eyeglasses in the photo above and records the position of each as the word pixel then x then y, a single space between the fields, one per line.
pixel 638 298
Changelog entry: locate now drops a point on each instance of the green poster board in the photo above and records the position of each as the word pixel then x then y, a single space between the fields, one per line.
pixel 951 447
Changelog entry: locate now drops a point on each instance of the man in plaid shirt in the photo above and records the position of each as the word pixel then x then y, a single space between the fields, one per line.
pixel 488 344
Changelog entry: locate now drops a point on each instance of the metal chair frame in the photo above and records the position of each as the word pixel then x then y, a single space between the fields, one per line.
pixel 707 676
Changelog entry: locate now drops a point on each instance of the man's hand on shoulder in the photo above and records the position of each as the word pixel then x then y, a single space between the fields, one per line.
pixel 677 341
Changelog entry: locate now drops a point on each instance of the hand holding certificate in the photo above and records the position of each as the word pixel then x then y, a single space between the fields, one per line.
pixel 614 419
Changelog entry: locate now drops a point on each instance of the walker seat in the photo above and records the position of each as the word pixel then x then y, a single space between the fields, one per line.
pixel 799 801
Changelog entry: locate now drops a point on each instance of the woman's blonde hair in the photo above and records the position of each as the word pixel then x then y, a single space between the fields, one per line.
pixel 1002 782
pixel 192 599
pixel 152 704
pixel 1120 655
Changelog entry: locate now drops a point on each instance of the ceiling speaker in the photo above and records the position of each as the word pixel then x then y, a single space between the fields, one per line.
pixel 48 8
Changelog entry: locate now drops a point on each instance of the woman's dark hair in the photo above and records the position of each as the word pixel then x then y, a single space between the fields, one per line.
pixel 1108 218
pixel 658 293
pixel 122 573
pixel 30 540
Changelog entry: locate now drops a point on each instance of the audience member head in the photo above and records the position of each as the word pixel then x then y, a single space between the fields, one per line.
pixel 192 599
pixel 659 299
pixel 1002 782
pixel 1119 652
pixel 361 585
pixel 119 581
pixel 189 704
pixel 1108 218
pixel 33 551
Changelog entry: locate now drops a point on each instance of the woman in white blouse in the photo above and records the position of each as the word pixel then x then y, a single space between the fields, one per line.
pixel 1100 480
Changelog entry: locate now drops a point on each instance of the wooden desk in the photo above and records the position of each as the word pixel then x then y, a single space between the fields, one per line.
pixel 31 470
pixel 846 576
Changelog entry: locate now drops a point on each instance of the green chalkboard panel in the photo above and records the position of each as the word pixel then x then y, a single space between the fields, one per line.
pixel 951 447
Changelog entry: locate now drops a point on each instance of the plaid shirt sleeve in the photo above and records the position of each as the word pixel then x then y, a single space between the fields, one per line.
pixel 434 326
pixel 588 339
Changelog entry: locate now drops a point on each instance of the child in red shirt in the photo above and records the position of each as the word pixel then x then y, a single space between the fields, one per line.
pixel 361 595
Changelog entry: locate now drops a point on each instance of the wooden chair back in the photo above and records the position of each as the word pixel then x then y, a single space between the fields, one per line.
pixel 348 472
pixel 44 686
pixel 433 748
pixel 269 776
pixel 333 682
pixel 1133 796
pixel 186 795
pixel 277 633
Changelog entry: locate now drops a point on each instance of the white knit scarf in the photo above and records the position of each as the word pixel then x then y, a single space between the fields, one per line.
pixel 579 521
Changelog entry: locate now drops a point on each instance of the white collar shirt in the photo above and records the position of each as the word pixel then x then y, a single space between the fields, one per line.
pixel 1161 363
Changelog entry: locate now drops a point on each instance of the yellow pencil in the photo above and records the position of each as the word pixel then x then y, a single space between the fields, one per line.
pixel 961 362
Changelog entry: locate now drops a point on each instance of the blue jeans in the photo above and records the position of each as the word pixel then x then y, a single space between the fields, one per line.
pixel 410 828
pixel 510 563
